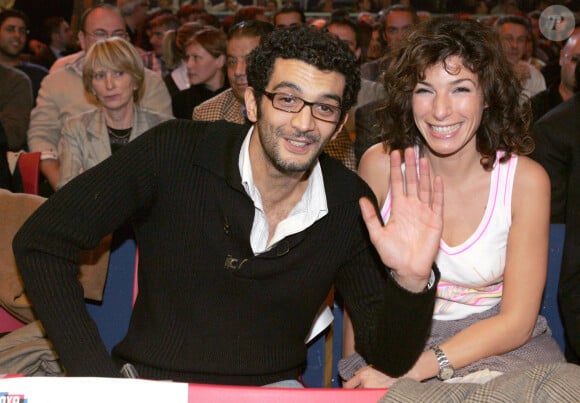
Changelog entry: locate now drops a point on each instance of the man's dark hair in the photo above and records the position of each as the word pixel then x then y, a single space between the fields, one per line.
pixel 287 10
pixel 322 50
pixel 247 13
pixel 169 21
pixel 514 19
pixel 13 13
pixel 251 28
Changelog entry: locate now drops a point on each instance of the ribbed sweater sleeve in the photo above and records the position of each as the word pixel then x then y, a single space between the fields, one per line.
pixel 77 217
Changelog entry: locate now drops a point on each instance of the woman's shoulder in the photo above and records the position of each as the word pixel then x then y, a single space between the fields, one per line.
pixel 531 185
pixel 82 119
pixel 530 174
pixel 152 115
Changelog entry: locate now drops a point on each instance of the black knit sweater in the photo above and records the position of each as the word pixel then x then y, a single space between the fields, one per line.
pixel 195 320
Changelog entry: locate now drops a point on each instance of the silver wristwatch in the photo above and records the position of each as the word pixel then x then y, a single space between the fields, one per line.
pixel 446 370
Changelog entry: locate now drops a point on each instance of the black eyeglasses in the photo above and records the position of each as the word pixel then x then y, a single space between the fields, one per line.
pixel 293 104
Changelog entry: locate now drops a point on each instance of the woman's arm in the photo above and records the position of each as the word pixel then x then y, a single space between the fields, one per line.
pixel 524 279
pixel 70 150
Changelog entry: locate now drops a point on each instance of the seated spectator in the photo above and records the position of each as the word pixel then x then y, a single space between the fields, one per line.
pixel 134 14
pixel 565 88
pixel 395 23
pixel 13 40
pixel 57 41
pixel 288 15
pixel 453 97
pixel 15 106
pixel 62 95
pixel 342 147
pixel 248 13
pixel 205 57
pixel 514 32
pixel 174 45
pixel 157 28
pixel 229 105
pixel 113 73
pixel 558 150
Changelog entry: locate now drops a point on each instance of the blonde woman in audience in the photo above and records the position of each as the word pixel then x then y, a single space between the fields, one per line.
pixel 453 96
pixel 113 75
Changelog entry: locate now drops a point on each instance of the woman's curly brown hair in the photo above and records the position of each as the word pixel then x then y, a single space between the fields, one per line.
pixel 506 118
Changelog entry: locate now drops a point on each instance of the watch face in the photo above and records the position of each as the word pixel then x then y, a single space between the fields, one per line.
pixel 446 373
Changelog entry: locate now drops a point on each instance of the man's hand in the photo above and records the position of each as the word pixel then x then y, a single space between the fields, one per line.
pixel 409 241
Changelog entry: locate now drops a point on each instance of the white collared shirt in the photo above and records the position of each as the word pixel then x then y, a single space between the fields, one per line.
pixel 311 208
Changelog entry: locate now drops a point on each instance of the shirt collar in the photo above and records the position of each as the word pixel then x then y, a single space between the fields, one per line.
pixel 312 207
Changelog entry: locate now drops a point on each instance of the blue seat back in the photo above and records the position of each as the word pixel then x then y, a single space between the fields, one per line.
pixel 112 315
pixel 549 307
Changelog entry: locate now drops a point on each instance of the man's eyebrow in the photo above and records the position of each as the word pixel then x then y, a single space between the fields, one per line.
pixel 296 88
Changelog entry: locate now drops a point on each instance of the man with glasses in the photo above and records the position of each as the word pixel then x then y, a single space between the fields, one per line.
pixel 514 32
pixel 242 231
pixel 62 95
pixel 562 91
pixel 13 40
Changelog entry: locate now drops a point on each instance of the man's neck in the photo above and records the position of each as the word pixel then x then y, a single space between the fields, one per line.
pixel 279 191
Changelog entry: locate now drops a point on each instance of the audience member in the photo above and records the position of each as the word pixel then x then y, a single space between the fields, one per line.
pixel 113 73
pixel 288 15
pixel 57 41
pixel 62 95
pixel 134 13
pixel 229 105
pixel 205 58
pixel 188 13
pixel 239 195
pixel 565 88
pixel 174 44
pixel 558 150
pixel 453 97
pixel 13 39
pixel 514 32
pixel 15 106
pixel 395 23
pixel 248 13
pixel 216 5
pixel 157 29
pixel 342 147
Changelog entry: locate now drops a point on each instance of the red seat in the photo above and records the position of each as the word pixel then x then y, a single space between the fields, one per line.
pixel 8 323
pixel 250 394
pixel 29 167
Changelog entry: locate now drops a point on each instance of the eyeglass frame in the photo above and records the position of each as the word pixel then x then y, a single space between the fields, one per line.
pixel 272 95
pixel 101 34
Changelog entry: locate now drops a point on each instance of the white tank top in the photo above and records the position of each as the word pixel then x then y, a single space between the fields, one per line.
pixel 472 272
